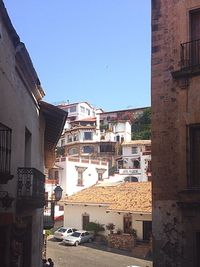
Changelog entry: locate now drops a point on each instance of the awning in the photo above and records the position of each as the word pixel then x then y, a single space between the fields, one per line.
pixel 55 119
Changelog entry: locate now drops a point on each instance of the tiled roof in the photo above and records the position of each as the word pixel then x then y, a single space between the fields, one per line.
pixel 90 119
pixel 137 142
pixel 127 197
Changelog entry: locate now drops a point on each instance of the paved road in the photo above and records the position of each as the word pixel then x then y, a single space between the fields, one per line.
pixel 89 255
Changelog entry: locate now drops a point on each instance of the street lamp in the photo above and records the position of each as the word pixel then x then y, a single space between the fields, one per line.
pixel 49 219
pixel 57 196
pixel 58 193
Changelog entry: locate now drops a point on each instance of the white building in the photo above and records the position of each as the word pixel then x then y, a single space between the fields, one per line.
pixel 112 204
pixel 135 163
pixel 78 173
pixel 78 111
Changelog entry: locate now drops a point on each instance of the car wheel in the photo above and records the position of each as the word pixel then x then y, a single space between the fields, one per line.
pixel 76 243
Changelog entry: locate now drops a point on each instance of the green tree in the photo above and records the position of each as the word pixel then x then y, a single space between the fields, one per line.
pixel 141 128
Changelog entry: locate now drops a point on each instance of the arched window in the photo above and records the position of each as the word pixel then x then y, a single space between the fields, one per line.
pixel 88 149
pixel 73 151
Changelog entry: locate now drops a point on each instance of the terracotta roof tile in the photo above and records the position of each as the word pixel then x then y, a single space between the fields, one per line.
pixel 128 197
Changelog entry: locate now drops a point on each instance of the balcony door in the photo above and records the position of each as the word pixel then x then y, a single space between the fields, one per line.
pixel 195 37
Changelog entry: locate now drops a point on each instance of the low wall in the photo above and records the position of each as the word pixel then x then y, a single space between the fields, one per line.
pixel 121 241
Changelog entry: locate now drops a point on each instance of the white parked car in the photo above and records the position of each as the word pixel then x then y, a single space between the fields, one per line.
pixel 63 232
pixel 78 237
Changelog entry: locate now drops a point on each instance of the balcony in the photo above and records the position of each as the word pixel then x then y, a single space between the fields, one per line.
pixel 189 61
pixel 5 154
pixel 30 188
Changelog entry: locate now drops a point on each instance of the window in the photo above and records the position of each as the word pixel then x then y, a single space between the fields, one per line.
pixel 75 137
pixel 88 111
pixel 73 151
pixel 56 175
pixel 5 149
pixel 82 109
pixel 194 156
pixel 61 208
pixel 69 138
pixel 72 109
pixel 136 164
pixel 85 221
pixel 80 178
pixel 88 149
pixel 195 24
pixel 87 135
pixel 127 223
pixel 134 150
pixel 100 176
pixel 147 148
pixel 62 142
pixel 195 36
pixel 27 152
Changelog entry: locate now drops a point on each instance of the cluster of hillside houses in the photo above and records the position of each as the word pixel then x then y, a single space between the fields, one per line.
pixel 96 150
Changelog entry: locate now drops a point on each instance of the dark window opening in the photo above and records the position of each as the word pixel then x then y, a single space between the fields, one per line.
pixel 127 224
pixel 194 156
pixel 85 221
pixel 88 149
pixel 5 149
pixel 87 135
pixel 27 153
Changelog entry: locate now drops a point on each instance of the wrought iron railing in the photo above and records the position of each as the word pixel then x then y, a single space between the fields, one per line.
pixel 31 185
pixel 190 54
pixel 5 150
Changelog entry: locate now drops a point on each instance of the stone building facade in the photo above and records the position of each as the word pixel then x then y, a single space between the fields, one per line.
pixel 176 132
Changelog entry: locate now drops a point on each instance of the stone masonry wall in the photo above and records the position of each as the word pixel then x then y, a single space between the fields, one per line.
pixel 122 241
pixel 175 104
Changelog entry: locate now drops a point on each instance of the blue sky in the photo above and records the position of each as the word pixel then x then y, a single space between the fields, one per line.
pixel 88 50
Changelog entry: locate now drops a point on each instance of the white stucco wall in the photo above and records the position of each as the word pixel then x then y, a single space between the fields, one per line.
pixel 69 174
pixel 128 157
pixel 73 217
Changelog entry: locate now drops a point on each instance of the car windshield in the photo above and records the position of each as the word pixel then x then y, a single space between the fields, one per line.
pixel 62 230
pixel 76 234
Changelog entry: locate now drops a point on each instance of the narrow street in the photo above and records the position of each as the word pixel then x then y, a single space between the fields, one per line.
pixel 89 255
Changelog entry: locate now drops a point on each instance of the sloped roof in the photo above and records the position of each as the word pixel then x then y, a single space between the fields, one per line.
pixel 90 119
pixel 137 142
pixel 127 197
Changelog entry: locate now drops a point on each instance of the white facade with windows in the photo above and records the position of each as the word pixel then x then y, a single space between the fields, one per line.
pixel 78 173
pixel 136 160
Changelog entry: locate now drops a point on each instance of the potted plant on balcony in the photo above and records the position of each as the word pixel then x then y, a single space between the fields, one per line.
pixel 110 227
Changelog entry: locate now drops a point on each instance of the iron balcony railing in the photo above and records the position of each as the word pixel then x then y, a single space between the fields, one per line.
pixel 190 54
pixel 31 187
pixel 5 153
